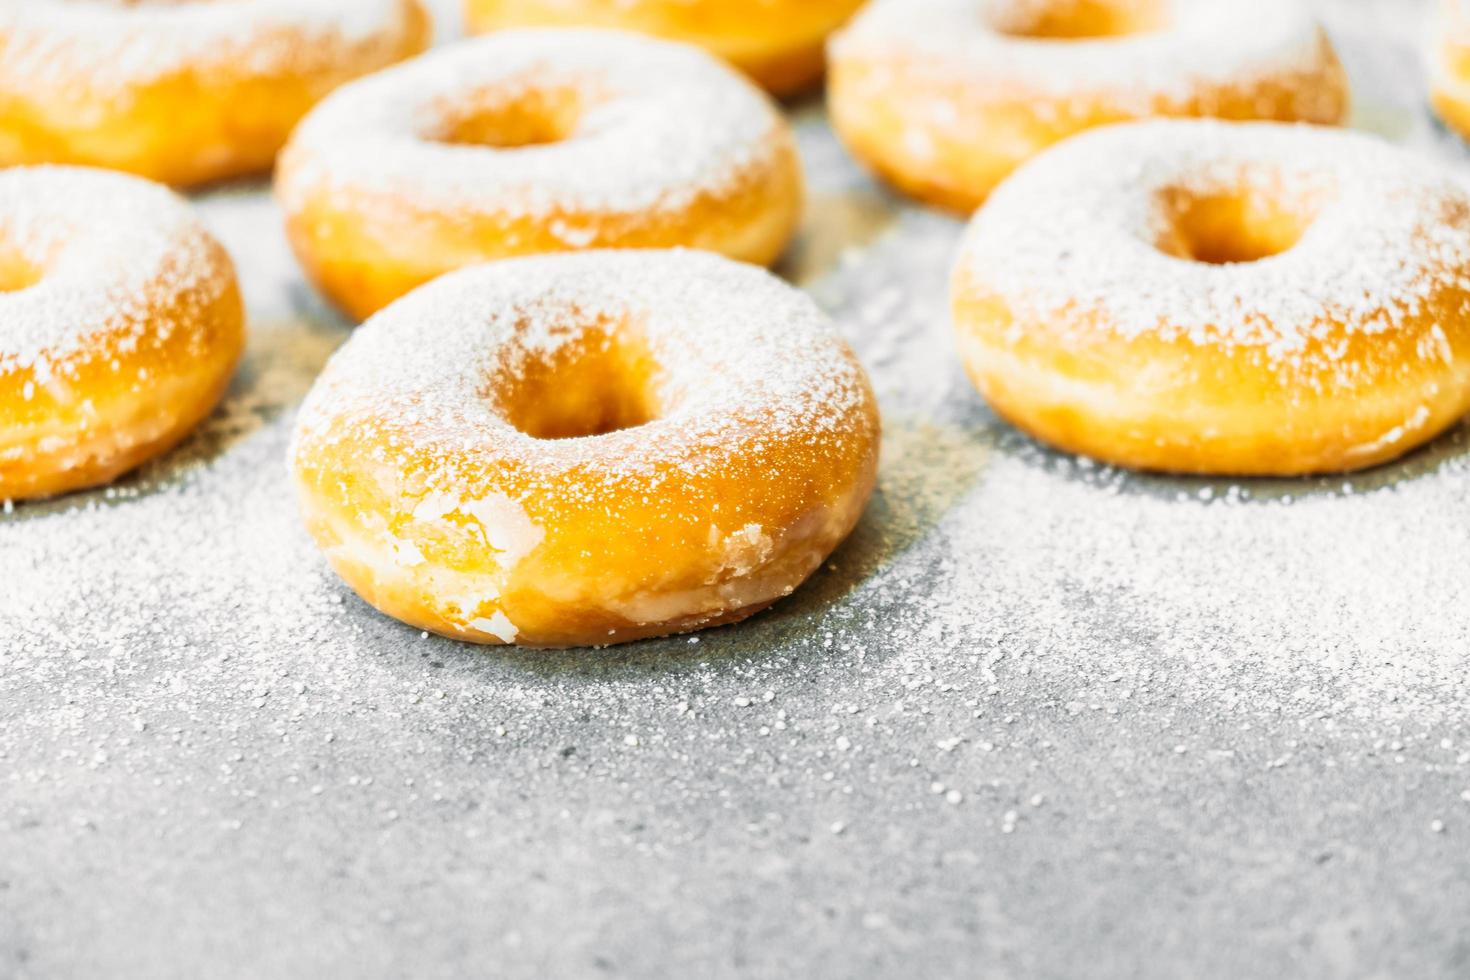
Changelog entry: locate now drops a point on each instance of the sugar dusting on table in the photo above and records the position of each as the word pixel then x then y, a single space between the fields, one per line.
pixel 1241 700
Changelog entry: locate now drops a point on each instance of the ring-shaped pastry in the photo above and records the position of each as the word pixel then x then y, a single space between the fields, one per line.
pixel 585 449
pixel 944 98
pixel 122 325
pixel 183 93
pixel 1254 299
pixel 534 141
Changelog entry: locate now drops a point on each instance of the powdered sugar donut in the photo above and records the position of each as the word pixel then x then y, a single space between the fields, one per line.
pixel 585 449
pixel 182 92
pixel 776 42
pixel 1222 298
pixel 534 141
pixel 945 97
pixel 122 324
pixel 1449 64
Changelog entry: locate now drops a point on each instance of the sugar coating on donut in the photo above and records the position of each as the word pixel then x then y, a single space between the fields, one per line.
pixel 756 456
pixel 116 45
pixel 660 124
pixel 735 347
pixel 107 249
pixel 1074 236
pixel 1205 45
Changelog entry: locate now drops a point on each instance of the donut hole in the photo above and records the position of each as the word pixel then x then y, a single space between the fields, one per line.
pixel 531 115
pixel 1079 20
pixel 1231 227
pixel 593 386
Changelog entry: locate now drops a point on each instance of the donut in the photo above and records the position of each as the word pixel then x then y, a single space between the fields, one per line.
pixel 1238 299
pixel 778 43
pixel 534 141
pixel 182 92
pixel 944 98
pixel 584 449
pixel 1449 64
pixel 122 325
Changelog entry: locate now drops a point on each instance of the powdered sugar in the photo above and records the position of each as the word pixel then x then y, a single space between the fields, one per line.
pixel 749 457
pixel 659 124
pixel 1079 228
pixel 1205 44
pixel 109 249
pixel 109 47
pixel 1241 704
pixel 734 345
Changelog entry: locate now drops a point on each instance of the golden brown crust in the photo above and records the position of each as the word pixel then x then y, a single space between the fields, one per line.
pixel 365 253
pixel 947 130
pixel 1313 321
pixel 477 152
pixel 778 43
pixel 107 425
pixel 197 122
pixel 1105 400
pixel 121 339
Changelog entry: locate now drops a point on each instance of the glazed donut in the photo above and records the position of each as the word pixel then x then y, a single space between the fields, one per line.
pixel 584 449
pixel 1449 64
pixel 778 43
pixel 1245 299
pixel 122 324
pixel 182 92
pixel 534 141
pixel 944 100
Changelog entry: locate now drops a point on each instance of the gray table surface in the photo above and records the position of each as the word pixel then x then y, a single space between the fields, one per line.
pixel 1036 719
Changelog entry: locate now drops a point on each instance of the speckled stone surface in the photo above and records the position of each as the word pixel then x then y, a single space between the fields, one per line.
pixel 1036 719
